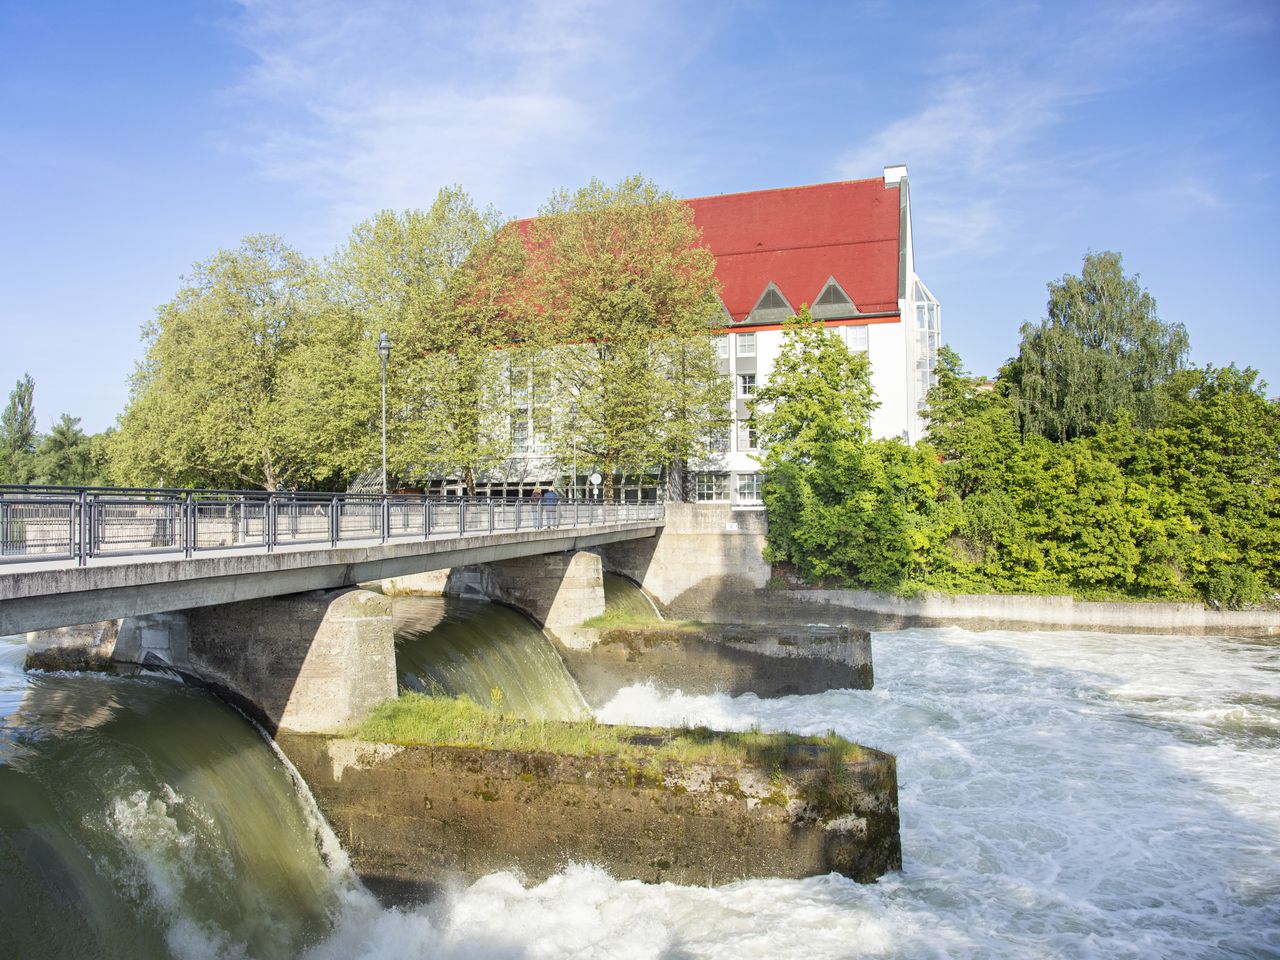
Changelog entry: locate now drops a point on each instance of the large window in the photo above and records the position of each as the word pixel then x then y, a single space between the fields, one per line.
pixel 746 344
pixel 712 487
pixel 746 384
pixel 520 432
pixel 720 440
pixel 857 338
pixel 748 487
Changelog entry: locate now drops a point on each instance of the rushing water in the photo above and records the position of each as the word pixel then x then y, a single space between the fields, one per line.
pixel 1063 795
pixel 623 597
pixel 485 651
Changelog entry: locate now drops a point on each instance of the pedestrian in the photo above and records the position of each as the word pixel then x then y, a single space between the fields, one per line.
pixel 535 504
pixel 549 500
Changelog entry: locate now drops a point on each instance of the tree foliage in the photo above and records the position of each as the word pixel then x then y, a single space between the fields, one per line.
pixel 624 298
pixel 1100 352
pixel 206 403
pixel 18 433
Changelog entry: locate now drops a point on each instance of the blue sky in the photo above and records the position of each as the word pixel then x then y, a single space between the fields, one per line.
pixel 138 138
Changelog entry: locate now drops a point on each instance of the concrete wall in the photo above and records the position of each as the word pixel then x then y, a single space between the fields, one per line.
pixel 767 660
pixel 559 590
pixel 412 818
pixel 315 662
pixel 706 554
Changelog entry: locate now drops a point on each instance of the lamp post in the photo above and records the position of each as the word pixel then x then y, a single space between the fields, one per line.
pixel 573 427
pixel 384 351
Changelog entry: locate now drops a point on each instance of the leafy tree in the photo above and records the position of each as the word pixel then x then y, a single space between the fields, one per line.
pixel 18 433
pixel 439 282
pixel 1101 351
pixel 205 405
pixel 65 456
pixel 818 401
pixel 624 295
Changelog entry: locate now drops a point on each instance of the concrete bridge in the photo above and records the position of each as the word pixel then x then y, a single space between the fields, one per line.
pixel 76 557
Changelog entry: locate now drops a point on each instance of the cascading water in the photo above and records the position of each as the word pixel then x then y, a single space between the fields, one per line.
pixel 1063 795
pixel 624 598
pixel 455 647
pixel 140 818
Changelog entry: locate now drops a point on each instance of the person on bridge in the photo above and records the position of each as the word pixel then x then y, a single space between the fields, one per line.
pixel 549 500
pixel 535 505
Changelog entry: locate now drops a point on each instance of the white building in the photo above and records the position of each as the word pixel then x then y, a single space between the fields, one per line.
pixel 845 250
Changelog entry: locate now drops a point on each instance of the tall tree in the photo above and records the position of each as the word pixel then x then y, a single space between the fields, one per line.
pixel 205 403
pixel 18 433
pixel 625 298
pixel 1100 351
pixel 818 400
pixel 439 282
pixel 65 455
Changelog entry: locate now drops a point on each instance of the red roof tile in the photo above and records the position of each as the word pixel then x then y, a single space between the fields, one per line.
pixel 797 237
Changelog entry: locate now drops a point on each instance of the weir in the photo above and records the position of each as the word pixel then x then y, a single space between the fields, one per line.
pixel 312 666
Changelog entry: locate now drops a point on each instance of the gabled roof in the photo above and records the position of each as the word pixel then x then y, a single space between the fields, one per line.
pixel 800 237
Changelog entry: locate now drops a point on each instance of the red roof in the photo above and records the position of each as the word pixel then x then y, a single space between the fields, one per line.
pixel 797 237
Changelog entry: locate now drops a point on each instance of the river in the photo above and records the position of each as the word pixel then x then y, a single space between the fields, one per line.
pixel 1062 795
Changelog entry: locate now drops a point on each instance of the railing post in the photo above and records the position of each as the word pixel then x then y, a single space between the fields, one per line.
pixel 81 538
pixel 334 519
pixel 188 526
pixel 269 522
pixel 430 504
pixel 386 516
pixel 491 514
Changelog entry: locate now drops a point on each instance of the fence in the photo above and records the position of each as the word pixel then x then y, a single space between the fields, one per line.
pixel 51 523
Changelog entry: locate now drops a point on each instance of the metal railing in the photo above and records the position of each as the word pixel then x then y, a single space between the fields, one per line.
pixel 80 523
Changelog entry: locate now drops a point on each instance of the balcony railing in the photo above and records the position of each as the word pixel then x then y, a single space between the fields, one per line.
pixel 64 523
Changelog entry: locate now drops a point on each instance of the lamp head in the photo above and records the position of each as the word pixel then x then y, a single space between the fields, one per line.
pixel 384 346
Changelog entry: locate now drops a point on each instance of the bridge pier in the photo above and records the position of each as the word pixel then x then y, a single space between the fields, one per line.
pixel 559 590
pixel 310 663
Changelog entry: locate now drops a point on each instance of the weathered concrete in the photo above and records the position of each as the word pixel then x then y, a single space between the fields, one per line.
pixel 412 818
pixel 85 646
pixel 313 663
pixel 703 551
pixel 559 590
pixel 433 583
pixel 767 660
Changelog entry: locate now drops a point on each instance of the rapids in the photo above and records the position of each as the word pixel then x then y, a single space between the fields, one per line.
pixel 1062 795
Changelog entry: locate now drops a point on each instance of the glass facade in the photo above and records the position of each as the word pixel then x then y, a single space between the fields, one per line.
pixel 928 332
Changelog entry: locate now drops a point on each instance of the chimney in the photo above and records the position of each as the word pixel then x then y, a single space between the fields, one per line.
pixel 894 173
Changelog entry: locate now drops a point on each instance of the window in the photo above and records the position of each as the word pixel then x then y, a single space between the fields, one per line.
pixel 858 338
pixel 720 441
pixel 772 307
pixel 746 384
pixel 833 303
pixel 520 432
pixel 711 487
pixel 748 486
pixel 721 343
pixel 746 344
pixel 746 435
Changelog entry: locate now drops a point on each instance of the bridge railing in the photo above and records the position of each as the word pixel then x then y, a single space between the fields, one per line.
pixel 80 523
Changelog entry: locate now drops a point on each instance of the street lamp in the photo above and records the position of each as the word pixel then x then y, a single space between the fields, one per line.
pixel 384 351
pixel 573 428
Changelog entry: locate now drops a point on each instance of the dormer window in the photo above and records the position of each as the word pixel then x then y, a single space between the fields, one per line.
pixel 833 303
pixel 772 307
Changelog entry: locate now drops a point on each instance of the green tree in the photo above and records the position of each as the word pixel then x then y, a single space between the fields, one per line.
pixel 818 402
pixel 18 433
pixel 440 283
pixel 1101 351
pixel 65 456
pixel 624 294
pixel 205 405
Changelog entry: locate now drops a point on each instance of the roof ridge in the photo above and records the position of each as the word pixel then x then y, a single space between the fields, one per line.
pixel 799 186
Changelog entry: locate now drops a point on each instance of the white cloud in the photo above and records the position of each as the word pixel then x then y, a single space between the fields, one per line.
pixel 378 105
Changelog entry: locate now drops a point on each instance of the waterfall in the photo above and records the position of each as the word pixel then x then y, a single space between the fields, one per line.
pixel 624 598
pixel 452 647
